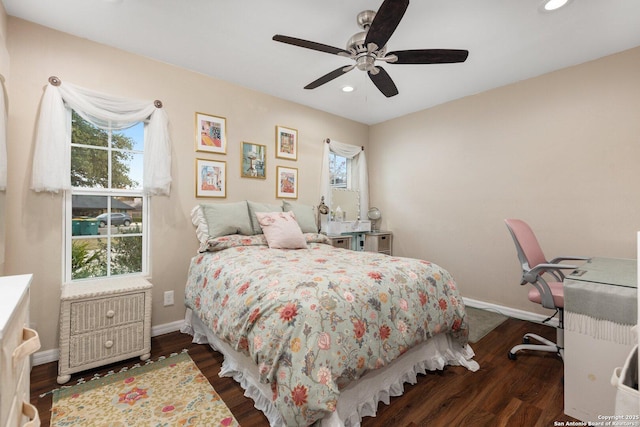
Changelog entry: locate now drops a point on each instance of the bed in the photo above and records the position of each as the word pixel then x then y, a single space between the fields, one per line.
pixel 315 333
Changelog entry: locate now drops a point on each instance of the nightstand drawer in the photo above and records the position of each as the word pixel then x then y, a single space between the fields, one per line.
pixel 106 344
pixel 380 241
pixel 343 242
pixel 106 312
pixel 384 243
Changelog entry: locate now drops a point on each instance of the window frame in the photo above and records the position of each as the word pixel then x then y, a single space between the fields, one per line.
pixel 347 184
pixel 109 193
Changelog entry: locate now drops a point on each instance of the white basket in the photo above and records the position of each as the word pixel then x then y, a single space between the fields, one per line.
pixel 625 379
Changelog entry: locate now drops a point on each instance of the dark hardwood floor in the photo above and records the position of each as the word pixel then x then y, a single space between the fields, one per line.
pixel 527 392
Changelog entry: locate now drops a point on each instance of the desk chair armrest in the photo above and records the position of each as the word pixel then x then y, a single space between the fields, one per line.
pixel 531 276
pixel 569 258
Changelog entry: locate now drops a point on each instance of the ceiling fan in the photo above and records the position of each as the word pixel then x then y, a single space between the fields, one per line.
pixel 369 46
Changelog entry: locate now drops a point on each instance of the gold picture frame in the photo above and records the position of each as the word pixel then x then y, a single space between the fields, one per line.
pixel 253 163
pixel 286 143
pixel 211 133
pixel 211 178
pixel 286 183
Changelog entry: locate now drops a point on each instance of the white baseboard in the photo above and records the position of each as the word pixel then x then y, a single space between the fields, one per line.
pixel 46 356
pixel 166 328
pixel 511 312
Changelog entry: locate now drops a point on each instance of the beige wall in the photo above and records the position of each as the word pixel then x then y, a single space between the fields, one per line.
pixel 34 221
pixel 4 71
pixel 560 151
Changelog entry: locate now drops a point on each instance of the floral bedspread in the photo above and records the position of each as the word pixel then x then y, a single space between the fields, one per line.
pixel 316 319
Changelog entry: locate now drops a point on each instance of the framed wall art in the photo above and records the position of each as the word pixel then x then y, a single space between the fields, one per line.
pixel 211 133
pixel 211 178
pixel 286 183
pixel 254 161
pixel 286 143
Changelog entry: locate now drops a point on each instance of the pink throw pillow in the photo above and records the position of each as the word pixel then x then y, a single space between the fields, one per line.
pixel 281 230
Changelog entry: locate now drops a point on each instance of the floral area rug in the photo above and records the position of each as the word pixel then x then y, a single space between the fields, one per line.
pixel 169 392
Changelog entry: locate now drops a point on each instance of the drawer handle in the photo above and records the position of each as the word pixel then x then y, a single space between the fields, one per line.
pixel 31 412
pixel 108 344
pixel 110 314
pixel 340 241
pixel 30 344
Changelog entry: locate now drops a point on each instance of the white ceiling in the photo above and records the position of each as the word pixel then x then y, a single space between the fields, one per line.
pixel 508 41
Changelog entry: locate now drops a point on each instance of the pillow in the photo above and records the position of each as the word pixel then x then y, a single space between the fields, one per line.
pixel 197 218
pixel 281 230
pixel 305 215
pixel 260 207
pixel 227 218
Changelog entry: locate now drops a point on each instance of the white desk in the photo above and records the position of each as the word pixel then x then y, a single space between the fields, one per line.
pixel 600 307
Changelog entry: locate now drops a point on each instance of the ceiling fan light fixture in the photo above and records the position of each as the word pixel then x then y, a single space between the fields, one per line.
pixel 551 5
pixel 348 89
pixel 365 62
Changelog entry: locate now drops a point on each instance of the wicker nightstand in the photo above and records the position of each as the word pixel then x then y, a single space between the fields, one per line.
pixel 102 322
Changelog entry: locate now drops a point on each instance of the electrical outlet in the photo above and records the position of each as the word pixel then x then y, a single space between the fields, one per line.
pixel 168 298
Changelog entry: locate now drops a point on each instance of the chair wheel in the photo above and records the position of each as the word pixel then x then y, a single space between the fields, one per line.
pixel 512 356
pixel 526 340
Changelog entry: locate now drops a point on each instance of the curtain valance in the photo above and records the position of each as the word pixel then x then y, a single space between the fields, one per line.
pixel 52 155
pixel 359 174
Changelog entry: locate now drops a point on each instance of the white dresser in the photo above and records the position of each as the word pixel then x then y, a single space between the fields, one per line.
pixel 17 342
pixel 103 321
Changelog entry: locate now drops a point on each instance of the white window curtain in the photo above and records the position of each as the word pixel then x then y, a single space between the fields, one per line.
pixel 52 155
pixel 359 174
pixel 3 141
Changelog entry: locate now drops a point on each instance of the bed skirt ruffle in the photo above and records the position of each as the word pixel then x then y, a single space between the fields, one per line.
pixel 357 400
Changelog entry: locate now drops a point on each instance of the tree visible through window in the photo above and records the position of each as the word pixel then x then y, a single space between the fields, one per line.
pixel 106 208
pixel 338 166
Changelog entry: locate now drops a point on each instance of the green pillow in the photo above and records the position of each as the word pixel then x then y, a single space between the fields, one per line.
pixel 304 214
pixel 260 207
pixel 227 218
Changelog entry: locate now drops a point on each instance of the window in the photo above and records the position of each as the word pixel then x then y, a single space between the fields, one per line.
pixel 339 170
pixel 106 220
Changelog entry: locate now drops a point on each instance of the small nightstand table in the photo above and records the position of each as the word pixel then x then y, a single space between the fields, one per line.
pixel 340 241
pixel 103 321
pixel 378 241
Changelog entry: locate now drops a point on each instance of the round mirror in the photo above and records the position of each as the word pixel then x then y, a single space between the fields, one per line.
pixel 374 215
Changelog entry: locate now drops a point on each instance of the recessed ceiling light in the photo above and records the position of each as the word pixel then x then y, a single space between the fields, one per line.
pixel 348 89
pixel 550 5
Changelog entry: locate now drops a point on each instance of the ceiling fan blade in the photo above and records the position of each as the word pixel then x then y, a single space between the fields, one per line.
pixel 386 21
pixel 310 45
pixel 383 82
pixel 329 76
pixel 429 56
